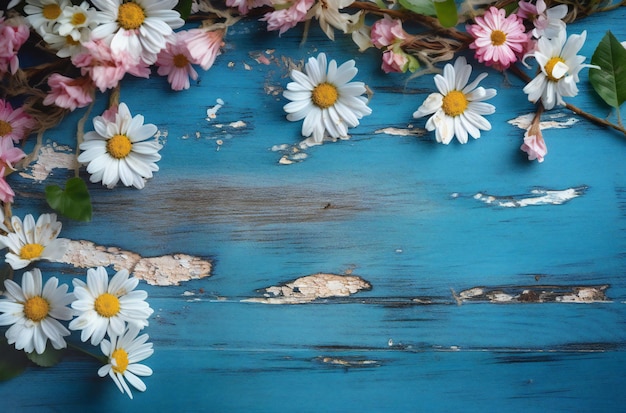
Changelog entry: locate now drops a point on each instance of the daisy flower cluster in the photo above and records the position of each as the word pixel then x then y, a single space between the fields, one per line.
pixel 109 313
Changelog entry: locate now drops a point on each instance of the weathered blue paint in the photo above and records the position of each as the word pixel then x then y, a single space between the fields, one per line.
pixel 399 211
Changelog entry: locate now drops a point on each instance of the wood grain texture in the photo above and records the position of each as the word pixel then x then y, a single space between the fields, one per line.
pixel 407 215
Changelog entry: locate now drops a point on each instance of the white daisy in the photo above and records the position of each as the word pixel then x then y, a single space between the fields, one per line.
pixel 124 353
pixel 559 69
pixel 33 312
pixel 330 18
pixel 106 307
pixel 458 108
pixel 43 15
pixel 120 150
pixel 30 241
pixel 137 27
pixel 76 21
pixel 326 99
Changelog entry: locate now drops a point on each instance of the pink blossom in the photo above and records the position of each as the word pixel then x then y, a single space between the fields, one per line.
pixel 69 93
pixel 106 70
pixel 175 62
pixel 244 6
pixel 9 155
pixel 394 62
pixel 387 31
pixel 547 22
pixel 13 34
pixel 499 41
pixel 14 123
pixel 285 19
pixel 534 145
pixel 202 46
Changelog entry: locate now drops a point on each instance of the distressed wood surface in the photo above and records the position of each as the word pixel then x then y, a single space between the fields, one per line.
pixel 473 280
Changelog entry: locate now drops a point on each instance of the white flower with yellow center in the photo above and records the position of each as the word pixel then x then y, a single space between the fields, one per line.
pixel 43 15
pixel 29 241
pixel 77 21
pixel 33 312
pixel 124 353
pixel 326 99
pixel 458 108
pixel 120 150
pixel 559 69
pixel 106 307
pixel 137 27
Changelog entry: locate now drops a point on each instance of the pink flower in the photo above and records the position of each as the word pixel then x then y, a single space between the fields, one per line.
pixel 394 62
pixel 547 22
pixel 534 145
pixel 285 19
pixel 9 155
pixel 202 46
pixel 69 93
pixel 13 33
pixel 175 62
pixel 14 124
pixel 106 70
pixel 244 6
pixel 499 40
pixel 387 31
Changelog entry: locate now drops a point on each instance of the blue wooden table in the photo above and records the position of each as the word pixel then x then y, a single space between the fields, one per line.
pixel 471 279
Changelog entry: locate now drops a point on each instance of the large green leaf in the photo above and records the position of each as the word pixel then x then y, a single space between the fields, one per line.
pixel 48 358
pixel 12 361
pixel 610 81
pixel 184 8
pixel 73 202
pixel 419 6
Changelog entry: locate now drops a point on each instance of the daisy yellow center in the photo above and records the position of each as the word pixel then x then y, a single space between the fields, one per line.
pixel 78 19
pixel 130 16
pixel 36 308
pixel 5 128
pixel 121 360
pixel 119 146
pixel 107 305
pixel 70 41
pixel 550 67
pixel 498 37
pixel 31 251
pixel 51 11
pixel 324 95
pixel 454 103
pixel 180 60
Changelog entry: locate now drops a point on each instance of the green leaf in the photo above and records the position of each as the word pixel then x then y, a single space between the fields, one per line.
pixel 12 362
pixel 610 81
pixel 6 273
pixel 419 6
pixel 446 12
pixel 184 8
pixel 48 358
pixel 73 202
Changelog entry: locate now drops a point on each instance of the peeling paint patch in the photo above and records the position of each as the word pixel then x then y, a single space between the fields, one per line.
pixel 535 294
pixel 51 156
pixel 409 131
pixel 211 113
pixel 312 287
pixel 163 270
pixel 348 362
pixel 524 121
pixel 290 153
pixel 537 197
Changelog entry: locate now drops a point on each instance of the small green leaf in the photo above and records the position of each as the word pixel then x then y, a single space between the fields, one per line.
pixel 48 358
pixel 184 8
pixel 73 202
pixel 425 7
pixel 610 81
pixel 446 12
pixel 12 362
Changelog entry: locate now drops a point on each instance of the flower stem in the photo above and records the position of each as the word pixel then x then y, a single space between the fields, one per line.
pixel 101 359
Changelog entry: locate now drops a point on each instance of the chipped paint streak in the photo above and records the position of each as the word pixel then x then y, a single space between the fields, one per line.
pixel 538 197
pixel 211 113
pixel 348 362
pixel 524 121
pixel 312 287
pixel 535 294
pixel 162 270
pixel 51 156
pixel 401 131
